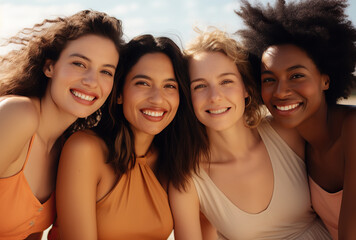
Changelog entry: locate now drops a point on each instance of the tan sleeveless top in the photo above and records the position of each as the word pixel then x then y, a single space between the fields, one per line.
pixel 289 214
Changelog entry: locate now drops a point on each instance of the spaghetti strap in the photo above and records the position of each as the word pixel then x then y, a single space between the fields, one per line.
pixel 28 151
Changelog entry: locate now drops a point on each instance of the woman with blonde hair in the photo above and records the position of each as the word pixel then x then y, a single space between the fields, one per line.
pixel 252 182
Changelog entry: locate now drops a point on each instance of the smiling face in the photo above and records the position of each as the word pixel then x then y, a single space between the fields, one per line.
pixel 82 78
pixel 218 92
pixel 150 95
pixel 292 86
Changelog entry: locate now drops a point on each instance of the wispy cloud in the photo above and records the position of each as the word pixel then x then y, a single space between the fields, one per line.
pixel 15 17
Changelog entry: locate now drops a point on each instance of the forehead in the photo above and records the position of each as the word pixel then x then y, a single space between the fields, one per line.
pixel 283 56
pixel 94 47
pixel 210 63
pixel 153 62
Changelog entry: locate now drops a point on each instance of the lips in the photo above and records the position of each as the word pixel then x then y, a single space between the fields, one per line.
pixel 83 97
pixel 287 107
pixel 218 111
pixel 154 115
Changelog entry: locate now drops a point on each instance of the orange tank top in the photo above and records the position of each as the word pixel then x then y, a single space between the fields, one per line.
pixel 136 208
pixel 21 214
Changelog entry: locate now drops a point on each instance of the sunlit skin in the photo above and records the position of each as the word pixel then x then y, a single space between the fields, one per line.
pixel 150 95
pixel 292 86
pixel 218 92
pixel 79 82
pixel 239 164
pixel 82 78
pixel 293 90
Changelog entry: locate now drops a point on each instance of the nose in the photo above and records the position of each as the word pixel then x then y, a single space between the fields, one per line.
pixel 281 90
pixel 90 79
pixel 156 95
pixel 215 94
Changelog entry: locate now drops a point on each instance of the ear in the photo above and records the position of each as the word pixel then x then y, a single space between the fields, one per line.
pixel 119 99
pixel 246 93
pixel 325 81
pixel 48 68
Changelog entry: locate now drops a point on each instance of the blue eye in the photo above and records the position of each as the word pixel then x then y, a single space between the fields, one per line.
pixel 199 86
pixel 226 81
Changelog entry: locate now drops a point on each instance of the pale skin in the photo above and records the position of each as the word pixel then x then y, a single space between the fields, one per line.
pixel 290 77
pixel 240 166
pixel 150 88
pixel 79 67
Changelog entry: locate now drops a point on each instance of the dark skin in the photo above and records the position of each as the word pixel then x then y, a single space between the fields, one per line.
pixel 293 90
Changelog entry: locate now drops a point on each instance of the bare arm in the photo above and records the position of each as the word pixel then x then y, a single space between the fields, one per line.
pixel 186 213
pixel 208 230
pixel 77 180
pixel 347 220
pixel 18 123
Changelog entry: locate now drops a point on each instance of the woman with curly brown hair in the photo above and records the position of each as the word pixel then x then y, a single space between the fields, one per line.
pixel 306 55
pixel 63 70
pixel 252 182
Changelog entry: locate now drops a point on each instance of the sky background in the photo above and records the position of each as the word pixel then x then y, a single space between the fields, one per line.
pixel 171 18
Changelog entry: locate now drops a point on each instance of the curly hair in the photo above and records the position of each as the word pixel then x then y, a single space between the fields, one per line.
pixel 21 70
pixel 319 27
pixel 177 143
pixel 216 40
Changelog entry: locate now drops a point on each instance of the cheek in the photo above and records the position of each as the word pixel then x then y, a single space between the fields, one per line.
pixel 107 87
pixel 195 102
pixel 266 93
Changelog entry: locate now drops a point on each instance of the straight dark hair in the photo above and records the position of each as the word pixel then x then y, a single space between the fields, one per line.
pixel 178 144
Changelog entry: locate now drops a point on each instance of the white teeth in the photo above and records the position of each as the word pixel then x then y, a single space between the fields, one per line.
pixel 82 96
pixel 218 111
pixel 153 113
pixel 288 107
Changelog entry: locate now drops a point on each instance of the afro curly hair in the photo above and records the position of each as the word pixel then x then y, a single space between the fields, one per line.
pixel 319 27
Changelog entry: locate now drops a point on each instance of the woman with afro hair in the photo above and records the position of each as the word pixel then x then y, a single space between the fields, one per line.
pixel 304 53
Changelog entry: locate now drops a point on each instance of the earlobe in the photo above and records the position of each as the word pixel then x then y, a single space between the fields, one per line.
pixel 48 68
pixel 119 99
pixel 325 82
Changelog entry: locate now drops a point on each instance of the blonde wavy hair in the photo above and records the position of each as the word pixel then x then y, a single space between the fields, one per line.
pixel 215 40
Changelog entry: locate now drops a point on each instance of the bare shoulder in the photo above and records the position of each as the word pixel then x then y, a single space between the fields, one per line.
pixel 290 136
pixel 19 120
pixel 348 131
pixel 85 146
pixel 19 114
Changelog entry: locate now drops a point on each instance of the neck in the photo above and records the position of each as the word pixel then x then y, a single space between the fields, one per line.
pixel 142 143
pixel 315 130
pixel 233 143
pixel 52 121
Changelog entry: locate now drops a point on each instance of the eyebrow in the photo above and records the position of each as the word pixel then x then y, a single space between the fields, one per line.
pixel 87 59
pixel 149 78
pixel 221 75
pixel 288 69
